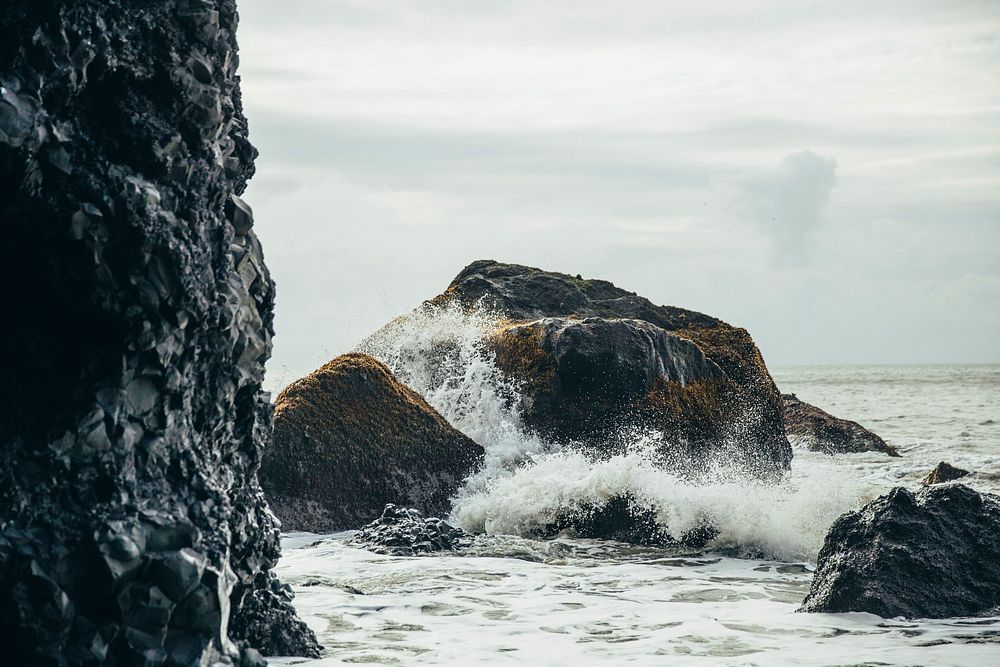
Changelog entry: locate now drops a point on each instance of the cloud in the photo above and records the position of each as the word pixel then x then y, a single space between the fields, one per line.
pixel 400 140
pixel 787 203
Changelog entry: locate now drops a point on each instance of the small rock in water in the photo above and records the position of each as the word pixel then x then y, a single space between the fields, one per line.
pixel 944 472
pixel 930 554
pixel 405 532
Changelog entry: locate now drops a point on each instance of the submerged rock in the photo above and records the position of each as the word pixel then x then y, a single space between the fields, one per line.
pixel 132 527
pixel 350 438
pixel 930 554
pixel 822 432
pixel 622 519
pixel 405 532
pixel 942 473
pixel 594 361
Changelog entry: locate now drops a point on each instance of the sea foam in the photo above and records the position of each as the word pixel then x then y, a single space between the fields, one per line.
pixel 527 483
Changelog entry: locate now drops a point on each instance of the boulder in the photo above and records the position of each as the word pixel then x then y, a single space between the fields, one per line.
pixel 350 438
pixel 133 530
pixel 929 554
pixel 622 519
pixel 942 473
pixel 405 532
pixel 822 432
pixel 597 363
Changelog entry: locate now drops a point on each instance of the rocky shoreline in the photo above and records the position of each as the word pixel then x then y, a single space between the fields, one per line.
pixel 140 462
pixel 133 529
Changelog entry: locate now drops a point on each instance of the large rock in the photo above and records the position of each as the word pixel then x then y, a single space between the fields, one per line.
pixel 349 439
pixel 822 432
pixel 932 554
pixel 596 363
pixel 137 321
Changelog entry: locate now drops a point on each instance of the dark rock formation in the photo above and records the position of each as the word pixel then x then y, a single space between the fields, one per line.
pixel 405 532
pixel 593 358
pixel 942 473
pixel 624 520
pixel 136 325
pixel 932 554
pixel 349 438
pixel 822 432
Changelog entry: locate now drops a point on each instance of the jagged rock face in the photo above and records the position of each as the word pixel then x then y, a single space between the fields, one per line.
pixel 593 359
pixel 404 531
pixel 944 472
pixel 350 438
pixel 138 319
pixel 932 554
pixel 822 432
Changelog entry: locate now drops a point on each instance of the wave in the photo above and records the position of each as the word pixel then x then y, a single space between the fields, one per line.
pixel 528 484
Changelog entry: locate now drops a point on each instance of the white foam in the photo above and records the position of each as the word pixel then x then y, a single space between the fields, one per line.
pixel 527 483
pixel 786 521
pixel 438 352
pixel 572 609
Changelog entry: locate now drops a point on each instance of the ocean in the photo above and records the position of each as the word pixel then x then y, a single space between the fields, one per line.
pixel 511 599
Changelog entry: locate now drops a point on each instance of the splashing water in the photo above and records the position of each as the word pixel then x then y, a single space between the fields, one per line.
pixel 438 351
pixel 526 484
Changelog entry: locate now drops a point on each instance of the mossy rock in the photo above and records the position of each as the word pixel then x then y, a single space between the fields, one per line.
pixel 596 363
pixel 350 438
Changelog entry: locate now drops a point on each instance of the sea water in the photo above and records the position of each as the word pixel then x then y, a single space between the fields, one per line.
pixel 512 599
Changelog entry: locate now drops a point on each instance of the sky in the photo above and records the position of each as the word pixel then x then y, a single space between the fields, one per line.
pixel 825 174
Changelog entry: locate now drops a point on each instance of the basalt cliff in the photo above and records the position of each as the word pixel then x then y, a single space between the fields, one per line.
pixel 133 530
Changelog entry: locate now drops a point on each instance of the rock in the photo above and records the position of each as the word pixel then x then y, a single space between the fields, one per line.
pixel 942 473
pixel 132 526
pixel 822 432
pixel 594 360
pixel 405 532
pixel 930 554
pixel 624 520
pixel 349 438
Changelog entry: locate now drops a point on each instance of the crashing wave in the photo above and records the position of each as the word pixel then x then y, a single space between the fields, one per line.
pixel 530 487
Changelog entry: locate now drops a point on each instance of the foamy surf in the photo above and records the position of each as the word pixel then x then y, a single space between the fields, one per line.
pixel 510 599
pixel 580 602
pixel 528 484
pixel 787 521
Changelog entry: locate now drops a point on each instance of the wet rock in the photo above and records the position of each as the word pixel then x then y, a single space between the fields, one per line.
pixel 942 473
pixel 929 554
pixel 405 532
pixel 624 520
pixel 260 621
pixel 132 525
pixel 350 438
pixel 593 359
pixel 822 432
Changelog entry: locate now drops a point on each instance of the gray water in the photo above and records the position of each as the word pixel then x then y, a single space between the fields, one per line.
pixel 932 413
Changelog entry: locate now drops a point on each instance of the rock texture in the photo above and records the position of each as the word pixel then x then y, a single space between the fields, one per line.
pixel 405 532
pixel 594 359
pixel 624 520
pixel 932 554
pixel 822 432
pixel 942 473
pixel 349 438
pixel 136 325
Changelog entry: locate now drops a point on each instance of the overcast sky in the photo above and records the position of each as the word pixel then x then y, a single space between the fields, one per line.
pixel 825 174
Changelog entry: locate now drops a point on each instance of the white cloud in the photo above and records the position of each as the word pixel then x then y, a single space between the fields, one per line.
pixel 788 203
